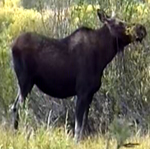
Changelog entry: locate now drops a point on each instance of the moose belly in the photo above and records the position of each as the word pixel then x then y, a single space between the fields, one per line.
pixel 56 86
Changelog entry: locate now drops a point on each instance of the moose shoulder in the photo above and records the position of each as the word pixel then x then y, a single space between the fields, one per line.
pixel 72 65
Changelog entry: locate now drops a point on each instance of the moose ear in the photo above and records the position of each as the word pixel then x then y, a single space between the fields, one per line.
pixel 102 16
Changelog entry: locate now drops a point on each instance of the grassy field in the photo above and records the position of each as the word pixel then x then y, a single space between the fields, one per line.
pixel 56 139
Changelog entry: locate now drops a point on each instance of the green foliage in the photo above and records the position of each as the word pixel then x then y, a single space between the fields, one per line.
pixel 84 15
pixel 25 20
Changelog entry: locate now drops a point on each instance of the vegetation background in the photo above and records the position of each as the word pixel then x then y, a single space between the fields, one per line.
pixel 120 108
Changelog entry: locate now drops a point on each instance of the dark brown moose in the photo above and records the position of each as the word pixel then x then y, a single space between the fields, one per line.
pixel 70 66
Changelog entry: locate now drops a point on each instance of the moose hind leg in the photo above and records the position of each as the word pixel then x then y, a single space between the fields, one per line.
pixel 14 109
pixel 24 88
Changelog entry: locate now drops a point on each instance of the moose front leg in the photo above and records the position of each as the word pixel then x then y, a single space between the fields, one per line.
pixel 81 115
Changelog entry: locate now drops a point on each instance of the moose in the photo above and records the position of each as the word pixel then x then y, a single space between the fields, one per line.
pixel 71 66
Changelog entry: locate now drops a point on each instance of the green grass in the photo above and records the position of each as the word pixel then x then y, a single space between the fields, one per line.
pixel 56 139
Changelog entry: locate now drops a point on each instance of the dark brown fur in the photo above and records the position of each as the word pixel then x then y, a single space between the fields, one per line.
pixel 70 66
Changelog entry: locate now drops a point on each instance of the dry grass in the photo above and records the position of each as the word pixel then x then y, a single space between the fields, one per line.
pixel 56 139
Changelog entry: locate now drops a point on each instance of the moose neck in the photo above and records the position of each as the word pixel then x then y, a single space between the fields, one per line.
pixel 109 46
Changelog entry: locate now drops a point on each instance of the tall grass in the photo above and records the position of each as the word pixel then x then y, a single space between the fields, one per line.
pixel 56 139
